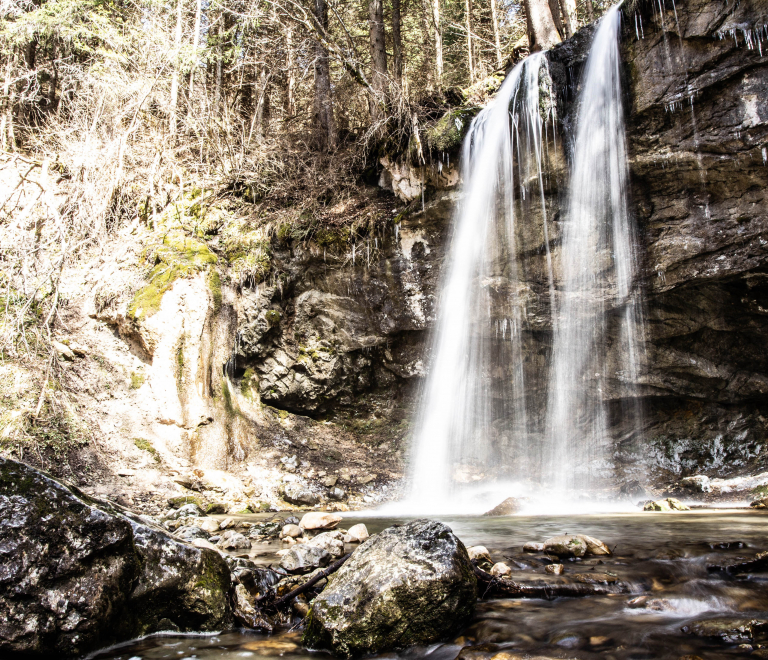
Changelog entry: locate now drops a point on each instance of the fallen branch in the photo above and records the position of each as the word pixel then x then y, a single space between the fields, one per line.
pixel 335 566
pixel 507 588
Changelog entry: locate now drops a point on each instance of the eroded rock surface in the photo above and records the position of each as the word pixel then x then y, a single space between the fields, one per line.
pixel 74 576
pixel 410 584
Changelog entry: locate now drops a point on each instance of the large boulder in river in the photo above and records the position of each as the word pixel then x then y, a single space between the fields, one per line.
pixel 411 584
pixel 76 574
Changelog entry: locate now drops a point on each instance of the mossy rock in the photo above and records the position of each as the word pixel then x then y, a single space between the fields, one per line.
pixel 214 508
pixel 177 257
pixel 178 502
pixel 449 131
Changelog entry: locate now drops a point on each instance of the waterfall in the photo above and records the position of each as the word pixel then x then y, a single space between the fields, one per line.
pixel 475 391
pixel 475 435
pixel 598 298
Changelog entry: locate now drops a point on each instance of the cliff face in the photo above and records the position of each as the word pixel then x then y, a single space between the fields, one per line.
pixel 333 350
pixel 697 129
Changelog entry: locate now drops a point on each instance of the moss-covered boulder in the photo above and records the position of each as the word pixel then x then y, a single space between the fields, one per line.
pixel 411 584
pixel 448 132
pixel 77 574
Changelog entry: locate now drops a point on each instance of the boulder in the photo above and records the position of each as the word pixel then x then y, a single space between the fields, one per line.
pixel 506 508
pixel 187 511
pixel 356 534
pixel 566 545
pixel 299 495
pixel 479 553
pixel 77 574
pixel 501 570
pixel 319 520
pixel 698 484
pixel 332 542
pixel 304 557
pixel 575 545
pixel 292 531
pixel 555 569
pixel 337 494
pixel 731 630
pixel 209 525
pixel 189 533
pixel 410 584
pixel 532 546
pixel 232 540
pixel 668 504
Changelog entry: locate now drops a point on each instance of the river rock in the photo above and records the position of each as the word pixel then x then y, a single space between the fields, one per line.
pixel 575 545
pixel 299 495
pixel 566 546
pixel 555 569
pixel 731 630
pixel 232 540
pixel 501 570
pixel 77 574
pixel 698 483
pixel 356 534
pixel 533 546
pixel 337 494
pixel 189 533
pixel 331 542
pixel 410 584
pixel 186 511
pixel 506 508
pixel 209 525
pixel 319 520
pixel 304 557
pixel 668 504
pixel 291 531
pixel 479 553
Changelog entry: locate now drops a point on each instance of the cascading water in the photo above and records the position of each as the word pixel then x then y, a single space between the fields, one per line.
pixel 599 297
pixel 474 427
pixel 475 390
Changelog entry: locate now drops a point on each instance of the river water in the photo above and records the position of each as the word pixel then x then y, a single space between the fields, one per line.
pixel 662 585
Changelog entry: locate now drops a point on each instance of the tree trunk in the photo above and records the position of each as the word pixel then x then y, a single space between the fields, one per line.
pixel 397 42
pixel 438 41
pixel 290 87
pixel 378 59
pixel 542 33
pixel 323 110
pixel 590 10
pixel 571 19
pixel 496 37
pixel 557 17
pixel 219 67
pixel 195 47
pixel 176 66
pixel 470 59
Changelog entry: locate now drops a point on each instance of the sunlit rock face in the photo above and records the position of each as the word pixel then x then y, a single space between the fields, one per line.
pixel 349 332
pixel 76 574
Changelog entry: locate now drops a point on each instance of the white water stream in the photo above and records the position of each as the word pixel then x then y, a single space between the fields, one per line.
pixel 475 439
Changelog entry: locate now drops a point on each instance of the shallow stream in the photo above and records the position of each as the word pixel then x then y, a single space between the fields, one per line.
pixel 662 585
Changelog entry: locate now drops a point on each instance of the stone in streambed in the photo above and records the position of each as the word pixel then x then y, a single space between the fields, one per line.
pixel 299 495
pixel 319 520
pixel 575 545
pixel 479 553
pixel 78 574
pixel 506 508
pixel 668 504
pixel 731 630
pixel 555 569
pixel 501 570
pixel 410 584
pixel 290 531
pixel 303 558
pixel 356 534
pixel 331 542
pixel 532 546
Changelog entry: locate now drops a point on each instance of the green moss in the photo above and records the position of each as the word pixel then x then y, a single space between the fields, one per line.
pixel 333 238
pixel 448 133
pixel 273 317
pixel 176 258
pixel 146 445
pixel 178 502
pixel 760 492
pixel 137 379
pixel 214 286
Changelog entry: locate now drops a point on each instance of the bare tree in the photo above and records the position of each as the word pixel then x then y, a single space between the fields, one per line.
pixel 470 59
pixel 397 42
pixel 438 41
pixel 541 29
pixel 379 80
pixel 323 104
pixel 496 35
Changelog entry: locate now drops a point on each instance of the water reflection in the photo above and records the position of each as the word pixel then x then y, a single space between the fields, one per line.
pixel 662 560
